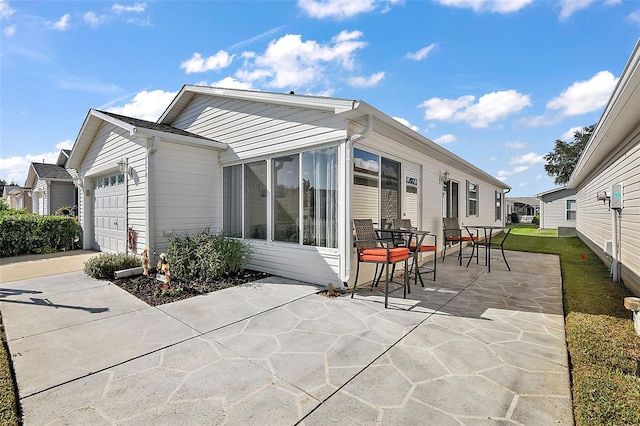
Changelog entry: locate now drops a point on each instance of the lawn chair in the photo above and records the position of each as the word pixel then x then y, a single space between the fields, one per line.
pixel 381 251
pixel 416 246
pixel 453 234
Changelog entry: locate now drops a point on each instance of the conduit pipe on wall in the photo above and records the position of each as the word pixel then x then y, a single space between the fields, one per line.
pixel 349 188
pixel 152 146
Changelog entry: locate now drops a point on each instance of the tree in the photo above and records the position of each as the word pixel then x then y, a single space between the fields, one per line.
pixel 564 157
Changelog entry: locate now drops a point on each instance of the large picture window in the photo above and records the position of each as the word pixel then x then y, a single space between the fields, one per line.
pixel 320 198
pixel 232 201
pixel 307 181
pixel 286 200
pixel 255 200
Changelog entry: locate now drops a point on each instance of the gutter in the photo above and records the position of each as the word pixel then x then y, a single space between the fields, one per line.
pixel 348 190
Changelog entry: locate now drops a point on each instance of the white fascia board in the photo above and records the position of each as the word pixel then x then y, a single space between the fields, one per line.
pixel 314 102
pixel 551 191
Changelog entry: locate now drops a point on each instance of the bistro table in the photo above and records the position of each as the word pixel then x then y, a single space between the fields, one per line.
pixel 486 243
pixel 403 238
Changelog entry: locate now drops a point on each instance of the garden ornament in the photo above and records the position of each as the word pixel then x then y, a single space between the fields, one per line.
pixel 163 266
pixel 145 261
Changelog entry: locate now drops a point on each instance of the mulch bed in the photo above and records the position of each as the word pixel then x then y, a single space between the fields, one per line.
pixel 154 292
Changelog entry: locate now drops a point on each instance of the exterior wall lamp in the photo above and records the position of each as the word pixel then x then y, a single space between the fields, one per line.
pixel 123 166
pixel 444 177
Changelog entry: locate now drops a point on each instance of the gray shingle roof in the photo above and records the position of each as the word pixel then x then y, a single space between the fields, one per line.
pixel 154 126
pixel 51 171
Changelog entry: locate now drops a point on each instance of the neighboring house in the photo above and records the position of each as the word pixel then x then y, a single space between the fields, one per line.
pixel 286 172
pixel 52 186
pixel 608 217
pixel 8 197
pixel 18 197
pixel 525 207
pixel 558 208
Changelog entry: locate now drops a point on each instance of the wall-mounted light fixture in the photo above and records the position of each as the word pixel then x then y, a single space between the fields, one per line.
pixel 123 166
pixel 444 177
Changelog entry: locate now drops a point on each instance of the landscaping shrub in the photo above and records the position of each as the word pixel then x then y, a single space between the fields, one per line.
pixel 24 233
pixel 206 256
pixel 104 266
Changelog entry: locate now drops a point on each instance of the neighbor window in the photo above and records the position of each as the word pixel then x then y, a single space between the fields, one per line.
pixel 472 199
pixel 498 205
pixel 571 209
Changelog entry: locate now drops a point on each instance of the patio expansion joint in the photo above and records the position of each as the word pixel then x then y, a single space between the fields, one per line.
pixel 162 348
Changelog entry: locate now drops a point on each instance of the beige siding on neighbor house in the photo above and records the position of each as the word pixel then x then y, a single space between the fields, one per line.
pixel 595 220
pixel 187 184
pixel 254 129
pixel 553 210
pixel 109 146
pixel 61 194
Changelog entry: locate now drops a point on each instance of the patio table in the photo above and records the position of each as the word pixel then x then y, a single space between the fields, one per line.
pixel 486 243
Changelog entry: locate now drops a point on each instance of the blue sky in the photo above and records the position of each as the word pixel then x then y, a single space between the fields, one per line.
pixel 495 82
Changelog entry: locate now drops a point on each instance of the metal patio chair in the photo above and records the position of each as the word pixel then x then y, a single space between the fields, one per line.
pixel 380 251
pixel 454 234
pixel 416 246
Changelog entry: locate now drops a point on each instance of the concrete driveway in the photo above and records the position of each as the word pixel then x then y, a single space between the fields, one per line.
pixel 470 348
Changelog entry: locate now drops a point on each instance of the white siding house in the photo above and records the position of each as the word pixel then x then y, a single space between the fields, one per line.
pixel 558 208
pixel 286 172
pixel 52 187
pixel 608 217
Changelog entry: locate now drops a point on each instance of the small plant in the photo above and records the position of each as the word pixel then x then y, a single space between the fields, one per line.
pixel 206 256
pixel 104 266
pixel 169 290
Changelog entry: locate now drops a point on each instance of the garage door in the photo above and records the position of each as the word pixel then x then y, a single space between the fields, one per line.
pixel 108 211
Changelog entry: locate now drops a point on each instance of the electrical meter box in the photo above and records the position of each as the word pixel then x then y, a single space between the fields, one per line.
pixel 616 196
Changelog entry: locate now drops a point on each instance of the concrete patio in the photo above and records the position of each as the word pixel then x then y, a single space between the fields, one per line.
pixel 470 348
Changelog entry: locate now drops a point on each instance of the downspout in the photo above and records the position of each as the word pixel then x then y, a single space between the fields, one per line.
pixel 348 190
pixel 504 203
pixel 152 147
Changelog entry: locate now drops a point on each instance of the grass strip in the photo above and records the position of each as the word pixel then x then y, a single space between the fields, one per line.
pixel 9 413
pixel 603 346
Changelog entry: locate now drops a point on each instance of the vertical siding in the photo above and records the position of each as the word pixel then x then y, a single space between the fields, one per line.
pixel 594 221
pixel 187 191
pixel 108 147
pixel 253 129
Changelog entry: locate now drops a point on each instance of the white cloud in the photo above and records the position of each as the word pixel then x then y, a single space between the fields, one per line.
pixel 492 158
pixel 289 62
pixel 422 53
pixel 569 7
pixel 342 9
pixel 503 175
pixel 445 139
pixel 365 164
pixel 62 24
pixel 135 8
pixel 92 19
pixel 634 16
pixel 15 169
pixel 5 9
pixel 146 105
pixel 585 96
pixel 568 135
pixel 10 31
pixel 406 123
pixel 370 81
pixel 199 64
pixel 231 83
pixel 497 6
pixel 489 108
pixel 515 145
pixel 529 158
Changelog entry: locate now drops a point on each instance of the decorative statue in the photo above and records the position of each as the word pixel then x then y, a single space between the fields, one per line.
pixel 145 261
pixel 163 266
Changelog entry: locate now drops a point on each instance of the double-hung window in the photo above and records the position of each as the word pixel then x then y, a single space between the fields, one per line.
pixel 498 205
pixel 571 209
pixel 472 199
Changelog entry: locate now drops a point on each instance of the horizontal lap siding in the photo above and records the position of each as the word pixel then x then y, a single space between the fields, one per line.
pixel 187 182
pixel 555 213
pixel 108 147
pixel 594 217
pixel 256 129
pixel 253 129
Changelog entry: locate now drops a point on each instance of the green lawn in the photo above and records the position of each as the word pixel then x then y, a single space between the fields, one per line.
pixel 8 402
pixel 603 345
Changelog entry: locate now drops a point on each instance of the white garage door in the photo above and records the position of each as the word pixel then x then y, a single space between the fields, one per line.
pixel 108 212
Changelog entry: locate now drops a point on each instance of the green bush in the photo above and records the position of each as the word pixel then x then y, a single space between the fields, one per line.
pixel 536 220
pixel 24 233
pixel 206 256
pixel 104 266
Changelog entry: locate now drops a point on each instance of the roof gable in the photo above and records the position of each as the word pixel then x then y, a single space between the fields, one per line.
pixel 47 171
